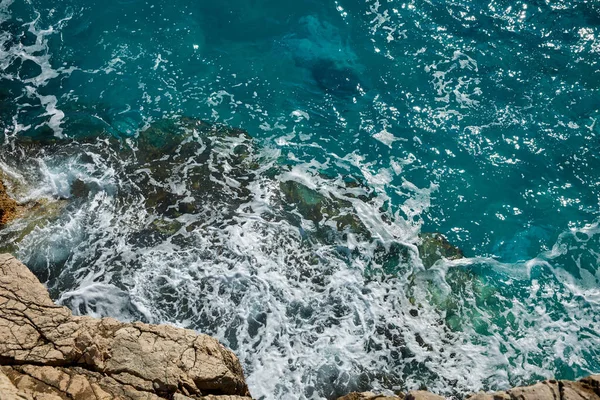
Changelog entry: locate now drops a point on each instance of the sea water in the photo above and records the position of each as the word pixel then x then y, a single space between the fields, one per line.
pixel 371 125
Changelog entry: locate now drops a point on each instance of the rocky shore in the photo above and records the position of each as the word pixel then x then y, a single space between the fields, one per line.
pixel 46 353
pixel 585 389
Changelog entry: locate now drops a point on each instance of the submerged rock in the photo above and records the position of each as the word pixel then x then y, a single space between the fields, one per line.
pixel 310 203
pixel 46 351
pixel 186 165
pixel 434 246
pixel 335 217
pixel 181 168
pixel 188 171
pixel 320 209
pixel 341 80
pixel 79 189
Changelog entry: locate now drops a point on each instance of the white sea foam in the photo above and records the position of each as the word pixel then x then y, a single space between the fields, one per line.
pixel 300 115
pixel 307 321
pixel 39 54
pixel 310 318
pixel 387 138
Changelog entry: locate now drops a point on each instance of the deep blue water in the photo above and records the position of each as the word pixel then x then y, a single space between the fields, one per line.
pixel 473 119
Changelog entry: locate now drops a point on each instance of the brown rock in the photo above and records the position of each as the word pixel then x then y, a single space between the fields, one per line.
pixel 50 351
pixel 423 395
pixel 369 396
pixel 490 396
pixel 586 389
pixel 577 391
pixel 8 206
pixel 543 390
pixel 592 382
pixel 211 397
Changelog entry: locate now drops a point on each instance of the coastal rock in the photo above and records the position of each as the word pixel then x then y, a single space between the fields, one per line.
pixel 368 396
pixel 8 206
pixel 434 247
pixel 47 353
pixel 423 395
pixel 414 395
pixel 585 389
pixel 18 219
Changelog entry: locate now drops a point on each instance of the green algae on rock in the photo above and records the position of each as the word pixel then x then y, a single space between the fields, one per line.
pixel 326 212
pixel 211 163
pixel 8 206
pixel 434 247
pixel 18 220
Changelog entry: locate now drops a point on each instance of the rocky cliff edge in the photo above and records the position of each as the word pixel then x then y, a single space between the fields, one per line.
pixel 585 389
pixel 46 353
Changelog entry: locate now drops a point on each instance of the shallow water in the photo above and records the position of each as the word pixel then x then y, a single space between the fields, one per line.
pixel 370 124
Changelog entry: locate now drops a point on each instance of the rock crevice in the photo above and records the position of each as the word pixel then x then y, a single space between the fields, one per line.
pixel 45 350
pixel 46 353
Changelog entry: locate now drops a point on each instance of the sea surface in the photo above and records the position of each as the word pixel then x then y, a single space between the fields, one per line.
pixel 271 173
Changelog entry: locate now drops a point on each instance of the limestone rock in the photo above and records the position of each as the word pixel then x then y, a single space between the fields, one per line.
pixel 593 382
pixel 542 390
pixel 577 391
pixel 423 395
pixel 48 353
pixel 585 389
pixel 414 395
pixel 368 396
pixel 490 396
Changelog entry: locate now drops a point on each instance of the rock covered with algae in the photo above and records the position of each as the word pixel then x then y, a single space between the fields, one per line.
pixel 177 166
pixel 8 206
pixel 187 164
pixel 183 166
pixel 434 247
pixel 18 219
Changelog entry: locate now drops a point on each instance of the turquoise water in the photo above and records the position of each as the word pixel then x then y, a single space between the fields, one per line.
pixel 473 119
